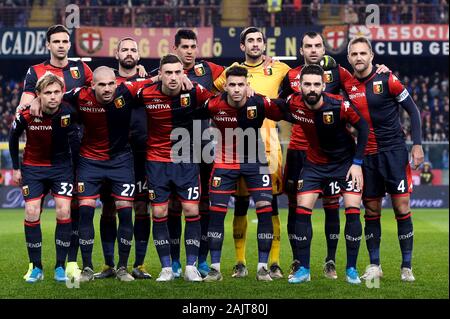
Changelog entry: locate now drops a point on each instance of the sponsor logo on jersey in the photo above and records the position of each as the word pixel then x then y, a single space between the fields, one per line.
pixel 327 76
pixel 75 72
pixel 80 187
pixel 185 100
pixel 199 69
pixel 65 120
pixel 151 194
pixel 25 190
pixel 119 102
pixel 328 117
pixel 37 120
pixel 251 112
pixel 378 87
pixel 216 181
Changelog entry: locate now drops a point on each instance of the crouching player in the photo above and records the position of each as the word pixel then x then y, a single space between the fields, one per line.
pixel 333 161
pixel 46 166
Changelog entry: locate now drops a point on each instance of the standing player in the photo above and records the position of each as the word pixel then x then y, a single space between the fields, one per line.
pixel 312 48
pixel 105 112
pixel 264 79
pixel 168 107
pixel 233 112
pixel 74 74
pixel 46 166
pixel 386 163
pixel 333 160
pixel 128 56
pixel 204 73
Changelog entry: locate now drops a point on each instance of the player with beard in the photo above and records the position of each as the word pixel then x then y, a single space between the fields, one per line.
pixel 128 57
pixel 332 159
pixel 312 48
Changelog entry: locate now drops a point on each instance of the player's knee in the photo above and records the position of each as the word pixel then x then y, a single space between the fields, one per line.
pixel 262 203
pixel 159 211
pixel 63 212
pixel 401 206
pixel 123 204
pixel 87 202
pixel 330 201
pixel 372 208
pixel 32 213
pixel 190 210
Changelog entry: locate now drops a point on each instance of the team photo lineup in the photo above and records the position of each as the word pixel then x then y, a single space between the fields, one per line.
pixel 169 151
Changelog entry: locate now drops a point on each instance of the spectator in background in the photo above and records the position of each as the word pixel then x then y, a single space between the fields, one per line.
pixel 426 176
pixel 351 17
pixel 314 10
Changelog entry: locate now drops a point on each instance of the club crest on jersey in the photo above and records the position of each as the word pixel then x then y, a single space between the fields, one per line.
pixel 25 190
pixel 80 187
pixel 216 181
pixel 199 69
pixel 328 117
pixel 251 112
pixel 75 72
pixel 327 76
pixel 151 194
pixel 185 100
pixel 268 70
pixel 119 102
pixel 300 184
pixel 65 120
pixel 378 87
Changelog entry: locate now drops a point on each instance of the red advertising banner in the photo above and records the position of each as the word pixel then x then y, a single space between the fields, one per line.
pixel 152 42
pixel 437 177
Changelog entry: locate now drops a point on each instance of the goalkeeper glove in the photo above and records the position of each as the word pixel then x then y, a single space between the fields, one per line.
pixel 328 63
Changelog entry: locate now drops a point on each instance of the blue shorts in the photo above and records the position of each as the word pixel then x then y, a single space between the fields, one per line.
pixel 140 176
pixel 387 172
pixel 91 174
pixel 165 178
pixel 37 181
pixel 205 174
pixel 257 178
pixel 329 180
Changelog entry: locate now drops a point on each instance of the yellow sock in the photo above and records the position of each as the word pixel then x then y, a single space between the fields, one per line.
pixel 274 257
pixel 240 237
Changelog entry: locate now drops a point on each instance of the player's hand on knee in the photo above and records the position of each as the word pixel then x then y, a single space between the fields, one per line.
pixel 355 172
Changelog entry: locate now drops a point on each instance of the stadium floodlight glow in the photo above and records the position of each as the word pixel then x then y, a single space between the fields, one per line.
pixel 82 59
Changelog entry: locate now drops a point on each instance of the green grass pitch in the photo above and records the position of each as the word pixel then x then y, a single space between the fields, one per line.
pixel 430 265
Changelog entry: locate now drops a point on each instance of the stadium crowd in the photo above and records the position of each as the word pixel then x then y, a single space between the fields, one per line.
pixel 429 92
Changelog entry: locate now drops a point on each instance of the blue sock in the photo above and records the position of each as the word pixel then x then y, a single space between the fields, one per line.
pixel 216 232
pixel 33 238
pixel 87 234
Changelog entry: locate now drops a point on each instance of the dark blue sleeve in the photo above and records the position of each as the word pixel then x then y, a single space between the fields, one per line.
pixel 413 112
pixel 18 126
